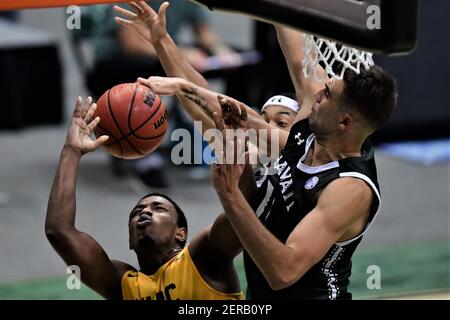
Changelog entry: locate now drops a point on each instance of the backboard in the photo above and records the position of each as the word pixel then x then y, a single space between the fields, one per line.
pixel 345 21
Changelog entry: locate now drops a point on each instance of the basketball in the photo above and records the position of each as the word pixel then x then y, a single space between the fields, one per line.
pixel 134 118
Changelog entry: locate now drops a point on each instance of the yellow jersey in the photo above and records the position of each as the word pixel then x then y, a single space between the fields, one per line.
pixel 177 279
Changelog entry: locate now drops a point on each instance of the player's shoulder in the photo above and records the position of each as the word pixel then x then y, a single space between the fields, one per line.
pixel 345 199
pixel 122 268
pixel 348 187
pixel 349 182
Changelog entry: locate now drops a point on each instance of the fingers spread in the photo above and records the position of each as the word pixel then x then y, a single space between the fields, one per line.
pixel 126 13
pixel 162 11
pixel 146 8
pixel 93 124
pixel 136 7
pixel 101 141
pixel 77 110
pixel 123 22
pixel 85 108
pixel 90 112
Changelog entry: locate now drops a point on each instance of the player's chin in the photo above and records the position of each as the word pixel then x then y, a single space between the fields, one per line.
pixel 315 126
pixel 145 241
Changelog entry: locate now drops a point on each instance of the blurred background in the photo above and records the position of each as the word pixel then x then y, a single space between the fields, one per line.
pixel 44 66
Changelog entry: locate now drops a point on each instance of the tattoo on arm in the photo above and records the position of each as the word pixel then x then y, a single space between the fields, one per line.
pixel 192 94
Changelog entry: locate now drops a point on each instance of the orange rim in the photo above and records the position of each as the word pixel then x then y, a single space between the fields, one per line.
pixel 22 4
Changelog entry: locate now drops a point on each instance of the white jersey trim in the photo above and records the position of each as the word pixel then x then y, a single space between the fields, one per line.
pixel 375 190
pixel 327 270
pixel 314 170
pixel 266 199
pixel 263 176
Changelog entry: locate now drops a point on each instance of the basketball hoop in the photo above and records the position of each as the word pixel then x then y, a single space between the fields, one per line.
pixel 331 55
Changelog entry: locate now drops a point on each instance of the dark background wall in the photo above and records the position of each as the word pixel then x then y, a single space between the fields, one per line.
pixel 424 79
pixel 424 84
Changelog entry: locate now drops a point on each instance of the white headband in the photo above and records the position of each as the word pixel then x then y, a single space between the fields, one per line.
pixel 282 101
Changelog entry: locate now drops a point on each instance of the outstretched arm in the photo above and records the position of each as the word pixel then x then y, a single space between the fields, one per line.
pixel 202 102
pixel 76 247
pixel 151 26
pixel 291 43
pixel 200 108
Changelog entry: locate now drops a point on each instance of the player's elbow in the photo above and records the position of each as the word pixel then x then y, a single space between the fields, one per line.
pixel 277 285
pixel 53 234
pixel 56 233
pixel 283 278
pixel 280 282
pixel 288 274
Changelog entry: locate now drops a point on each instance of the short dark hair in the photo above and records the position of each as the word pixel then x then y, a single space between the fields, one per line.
pixel 373 93
pixel 181 217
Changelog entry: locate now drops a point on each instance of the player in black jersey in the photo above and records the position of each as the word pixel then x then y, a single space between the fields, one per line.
pixel 311 214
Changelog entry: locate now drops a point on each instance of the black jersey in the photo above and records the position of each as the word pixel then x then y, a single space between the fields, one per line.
pixel 287 196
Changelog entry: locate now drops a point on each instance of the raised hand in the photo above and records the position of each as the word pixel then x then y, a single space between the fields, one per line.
pixel 150 25
pixel 78 136
pixel 232 159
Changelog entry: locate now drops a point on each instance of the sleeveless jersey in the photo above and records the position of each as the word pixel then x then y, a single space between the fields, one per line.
pixel 285 197
pixel 177 279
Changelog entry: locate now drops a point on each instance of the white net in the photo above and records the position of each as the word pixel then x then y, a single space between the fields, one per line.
pixel 335 58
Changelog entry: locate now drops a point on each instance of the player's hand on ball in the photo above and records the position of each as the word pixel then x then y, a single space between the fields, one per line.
pixel 81 127
pixel 150 25
pixel 164 86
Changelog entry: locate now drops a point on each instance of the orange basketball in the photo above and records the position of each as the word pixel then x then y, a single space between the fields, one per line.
pixel 134 118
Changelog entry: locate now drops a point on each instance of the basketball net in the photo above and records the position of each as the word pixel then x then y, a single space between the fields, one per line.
pixel 317 50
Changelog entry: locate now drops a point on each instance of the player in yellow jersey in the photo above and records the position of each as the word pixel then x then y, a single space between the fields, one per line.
pixel 168 270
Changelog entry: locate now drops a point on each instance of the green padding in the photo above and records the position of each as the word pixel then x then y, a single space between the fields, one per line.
pixel 45 289
pixel 404 269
